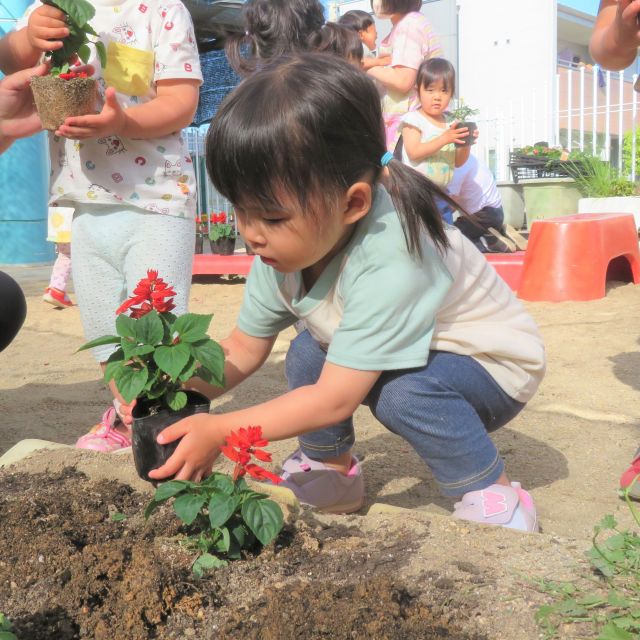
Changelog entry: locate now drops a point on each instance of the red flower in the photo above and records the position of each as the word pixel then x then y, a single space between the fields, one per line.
pixel 219 218
pixel 150 293
pixel 241 446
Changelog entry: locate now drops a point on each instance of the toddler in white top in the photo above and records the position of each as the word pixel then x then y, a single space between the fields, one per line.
pixel 125 171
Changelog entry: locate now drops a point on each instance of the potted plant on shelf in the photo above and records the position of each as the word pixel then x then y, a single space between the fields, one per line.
pixel 64 92
pixel 222 234
pixel 157 353
pixel 462 113
pixel 604 190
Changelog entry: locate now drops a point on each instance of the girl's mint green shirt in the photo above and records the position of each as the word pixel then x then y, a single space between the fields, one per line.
pixel 375 307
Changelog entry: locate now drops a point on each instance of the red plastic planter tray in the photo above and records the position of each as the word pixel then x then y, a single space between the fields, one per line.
pixel 509 267
pixel 209 264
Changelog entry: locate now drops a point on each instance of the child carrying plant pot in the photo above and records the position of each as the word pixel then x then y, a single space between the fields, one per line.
pixel 430 144
pixel 125 170
pixel 400 313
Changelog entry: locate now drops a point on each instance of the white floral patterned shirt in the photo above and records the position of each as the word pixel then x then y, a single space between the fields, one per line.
pixel 146 41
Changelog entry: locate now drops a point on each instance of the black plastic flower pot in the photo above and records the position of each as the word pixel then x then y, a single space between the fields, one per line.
pixel 199 243
pixel 147 453
pixel 223 246
pixel 469 140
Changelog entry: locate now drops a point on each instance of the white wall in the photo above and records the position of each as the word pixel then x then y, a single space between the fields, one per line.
pixel 507 64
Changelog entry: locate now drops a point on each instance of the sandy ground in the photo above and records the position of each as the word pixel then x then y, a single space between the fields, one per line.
pixel 568 447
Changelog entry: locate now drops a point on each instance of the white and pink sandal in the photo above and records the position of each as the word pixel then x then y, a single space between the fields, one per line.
pixel 105 437
pixel 510 507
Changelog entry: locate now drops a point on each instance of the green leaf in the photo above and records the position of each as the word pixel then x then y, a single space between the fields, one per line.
pixel 131 382
pixel 102 53
pixel 220 482
pixel 264 518
pixel 80 11
pixel 98 342
pixel 172 360
pixel 192 327
pixel 221 508
pixel 149 329
pixel 84 53
pixel 616 599
pixel 177 400
pixel 222 545
pixel 7 635
pixel 169 489
pixel 118 517
pixel 239 534
pixel 188 372
pixel 150 508
pixel 188 506
pixel 206 562
pixel 211 357
pixel 126 326
pixel 112 369
pixel 612 632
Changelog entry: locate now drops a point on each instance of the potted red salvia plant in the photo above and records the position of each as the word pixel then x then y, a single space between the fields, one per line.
pixel 65 92
pixel 157 353
pixel 222 234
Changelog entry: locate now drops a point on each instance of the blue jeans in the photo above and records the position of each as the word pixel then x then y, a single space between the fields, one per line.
pixel 444 410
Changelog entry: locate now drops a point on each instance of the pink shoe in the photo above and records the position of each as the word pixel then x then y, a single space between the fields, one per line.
pixel 322 487
pixel 57 298
pixel 510 507
pixel 104 437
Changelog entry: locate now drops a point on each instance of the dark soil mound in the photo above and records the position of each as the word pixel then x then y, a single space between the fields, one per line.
pixel 68 570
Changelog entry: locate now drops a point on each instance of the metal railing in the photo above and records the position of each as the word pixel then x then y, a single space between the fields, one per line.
pixel 587 109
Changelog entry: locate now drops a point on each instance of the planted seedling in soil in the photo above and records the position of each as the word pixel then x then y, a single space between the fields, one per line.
pixel 225 516
pixel 65 92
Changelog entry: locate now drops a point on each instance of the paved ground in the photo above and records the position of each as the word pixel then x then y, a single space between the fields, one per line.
pixel 32 278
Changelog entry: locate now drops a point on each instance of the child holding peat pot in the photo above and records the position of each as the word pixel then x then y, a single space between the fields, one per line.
pixel 401 314
pixel 430 144
pixel 125 170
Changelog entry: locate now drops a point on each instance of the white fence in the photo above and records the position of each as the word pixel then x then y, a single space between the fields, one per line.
pixel 589 109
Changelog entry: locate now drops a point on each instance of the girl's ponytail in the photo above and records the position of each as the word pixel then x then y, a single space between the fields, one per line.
pixel 416 200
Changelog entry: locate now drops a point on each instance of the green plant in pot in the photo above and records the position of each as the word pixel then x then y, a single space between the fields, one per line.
pixel 65 92
pixel 157 353
pixel 598 179
pixel 462 113
pixel 222 234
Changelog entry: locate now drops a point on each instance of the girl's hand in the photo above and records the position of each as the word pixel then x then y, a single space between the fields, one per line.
pixel 196 453
pixel 110 121
pixel 46 28
pixel 455 134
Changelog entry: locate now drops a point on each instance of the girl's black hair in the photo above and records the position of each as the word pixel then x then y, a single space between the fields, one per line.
pixel 400 6
pixel 309 126
pixel 356 20
pixel 338 39
pixel 272 28
pixel 435 69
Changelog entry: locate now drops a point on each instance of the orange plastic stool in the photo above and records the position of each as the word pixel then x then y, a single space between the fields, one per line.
pixel 568 258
